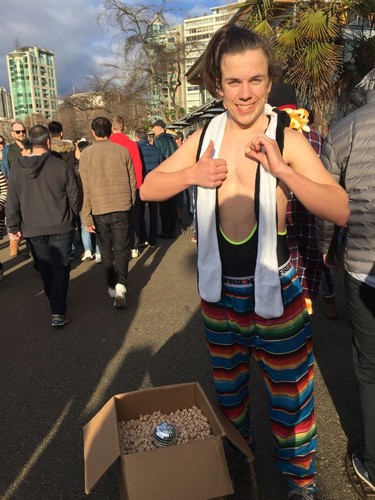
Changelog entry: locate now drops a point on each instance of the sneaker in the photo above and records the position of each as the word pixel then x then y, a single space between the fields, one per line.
pixel 120 292
pixel 98 258
pixel 300 494
pixel 134 253
pixel 59 320
pixel 360 469
pixel 111 292
pixel 144 244
pixel 87 256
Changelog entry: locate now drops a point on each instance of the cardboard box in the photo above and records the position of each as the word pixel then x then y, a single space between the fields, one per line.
pixel 195 470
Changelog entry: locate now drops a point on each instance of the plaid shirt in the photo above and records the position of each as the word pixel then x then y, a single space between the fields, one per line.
pixel 303 246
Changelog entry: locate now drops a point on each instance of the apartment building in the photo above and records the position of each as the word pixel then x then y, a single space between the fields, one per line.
pixel 5 103
pixel 32 82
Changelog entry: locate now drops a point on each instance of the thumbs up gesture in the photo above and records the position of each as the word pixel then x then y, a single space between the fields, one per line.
pixel 210 172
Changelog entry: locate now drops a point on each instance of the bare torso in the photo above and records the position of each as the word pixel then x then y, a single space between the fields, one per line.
pixel 236 194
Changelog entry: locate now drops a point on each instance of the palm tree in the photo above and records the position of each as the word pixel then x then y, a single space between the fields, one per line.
pixel 313 44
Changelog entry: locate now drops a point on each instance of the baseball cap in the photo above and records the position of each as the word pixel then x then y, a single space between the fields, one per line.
pixel 159 123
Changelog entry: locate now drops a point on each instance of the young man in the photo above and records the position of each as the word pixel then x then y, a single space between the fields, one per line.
pixel 109 188
pixel 252 301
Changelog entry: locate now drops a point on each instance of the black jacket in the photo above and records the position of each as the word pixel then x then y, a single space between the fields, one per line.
pixel 42 196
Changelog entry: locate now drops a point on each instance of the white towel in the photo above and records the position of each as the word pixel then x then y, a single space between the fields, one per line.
pixel 268 298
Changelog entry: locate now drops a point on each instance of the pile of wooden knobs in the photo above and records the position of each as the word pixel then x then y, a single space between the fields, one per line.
pixel 136 435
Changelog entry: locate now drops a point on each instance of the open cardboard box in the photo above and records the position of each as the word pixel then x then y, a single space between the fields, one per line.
pixel 195 470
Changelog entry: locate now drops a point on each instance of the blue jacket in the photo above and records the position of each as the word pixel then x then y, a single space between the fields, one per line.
pixel 151 155
pixel 4 164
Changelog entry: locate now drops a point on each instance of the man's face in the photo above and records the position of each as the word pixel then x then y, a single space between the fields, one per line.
pixel 18 132
pixel 245 85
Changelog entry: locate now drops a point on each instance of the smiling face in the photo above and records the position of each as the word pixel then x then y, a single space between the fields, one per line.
pixel 18 132
pixel 245 85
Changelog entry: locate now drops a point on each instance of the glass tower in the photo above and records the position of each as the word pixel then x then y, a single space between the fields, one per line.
pixel 32 81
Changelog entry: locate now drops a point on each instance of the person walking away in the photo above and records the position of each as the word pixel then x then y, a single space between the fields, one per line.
pixel 348 153
pixel 252 301
pixel 151 157
pixel 90 247
pixel 109 190
pixel 42 203
pixel 168 212
pixel 138 232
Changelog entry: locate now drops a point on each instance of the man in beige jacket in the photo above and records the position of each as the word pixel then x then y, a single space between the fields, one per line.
pixel 109 188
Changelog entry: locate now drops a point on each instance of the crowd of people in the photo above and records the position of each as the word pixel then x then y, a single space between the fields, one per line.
pixel 268 205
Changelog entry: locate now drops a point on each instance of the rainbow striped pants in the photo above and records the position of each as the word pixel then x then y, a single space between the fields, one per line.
pixel 283 350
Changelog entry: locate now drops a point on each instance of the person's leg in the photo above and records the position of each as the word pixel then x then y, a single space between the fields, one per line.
pixel 86 238
pixel 230 358
pixel 163 208
pixel 104 238
pixel 361 301
pixel 172 217
pixel 283 349
pixel 153 230
pixel 60 250
pixel 120 230
pixel 135 223
pixel 43 258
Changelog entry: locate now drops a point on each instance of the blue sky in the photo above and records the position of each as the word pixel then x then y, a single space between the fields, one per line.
pixel 70 29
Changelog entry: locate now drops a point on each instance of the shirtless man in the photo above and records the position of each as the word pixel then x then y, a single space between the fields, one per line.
pixel 252 301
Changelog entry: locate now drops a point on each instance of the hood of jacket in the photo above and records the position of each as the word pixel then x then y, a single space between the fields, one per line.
pixel 31 166
pixel 61 146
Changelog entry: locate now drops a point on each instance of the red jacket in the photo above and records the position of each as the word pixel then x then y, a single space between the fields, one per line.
pixel 131 146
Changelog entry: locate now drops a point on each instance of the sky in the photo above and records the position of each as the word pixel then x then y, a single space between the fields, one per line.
pixel 71 30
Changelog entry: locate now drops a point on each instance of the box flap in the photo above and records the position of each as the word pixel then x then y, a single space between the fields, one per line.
pixel 100 444
pixel 194 470
pixel 233 434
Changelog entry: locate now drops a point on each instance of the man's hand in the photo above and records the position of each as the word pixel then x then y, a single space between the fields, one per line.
pixel 210 172
pixel 267 152
pixel 17 235
pixel 90 229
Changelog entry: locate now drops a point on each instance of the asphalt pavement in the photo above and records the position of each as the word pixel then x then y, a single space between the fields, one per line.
pixel 53 382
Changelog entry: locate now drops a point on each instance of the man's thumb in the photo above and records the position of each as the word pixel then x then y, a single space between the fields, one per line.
pixel 209 150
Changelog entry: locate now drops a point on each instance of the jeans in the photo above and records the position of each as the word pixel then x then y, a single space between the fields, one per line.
pixel 87 239
pixel 361 302
pixel 168 216
pixel 53 256
pixel 113 232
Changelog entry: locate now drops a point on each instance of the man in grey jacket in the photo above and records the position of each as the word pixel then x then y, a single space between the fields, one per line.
pixel 349 153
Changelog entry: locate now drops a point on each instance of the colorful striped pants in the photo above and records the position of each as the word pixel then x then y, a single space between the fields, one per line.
pixel 283 350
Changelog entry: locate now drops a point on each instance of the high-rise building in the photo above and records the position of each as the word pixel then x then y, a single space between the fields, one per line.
pixel 32 81
pixel 5 104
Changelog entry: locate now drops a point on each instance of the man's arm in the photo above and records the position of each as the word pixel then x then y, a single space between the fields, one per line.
pixel 181 170
pixel 87 218
pixel 325 229
pixel 12 207
pixel 72 189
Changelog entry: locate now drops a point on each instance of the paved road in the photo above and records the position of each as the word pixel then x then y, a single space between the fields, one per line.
pixel 53 382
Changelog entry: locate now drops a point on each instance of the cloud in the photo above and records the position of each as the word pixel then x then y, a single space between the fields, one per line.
pixel 71 30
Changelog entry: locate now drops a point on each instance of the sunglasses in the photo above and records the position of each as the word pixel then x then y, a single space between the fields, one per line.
pixel 20 131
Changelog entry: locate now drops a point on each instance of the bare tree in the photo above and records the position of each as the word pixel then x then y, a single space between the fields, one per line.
pixel 152 55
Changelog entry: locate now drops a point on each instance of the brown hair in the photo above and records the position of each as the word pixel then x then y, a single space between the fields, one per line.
pixel 118 123
pixel 232 39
